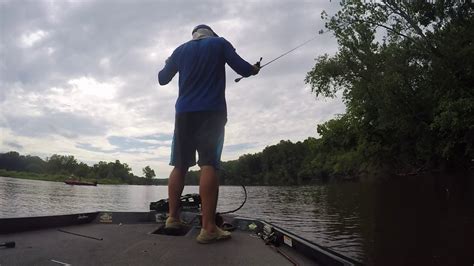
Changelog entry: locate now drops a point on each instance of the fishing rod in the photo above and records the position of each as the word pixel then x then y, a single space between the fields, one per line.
pixel 10 244
pixel 278 57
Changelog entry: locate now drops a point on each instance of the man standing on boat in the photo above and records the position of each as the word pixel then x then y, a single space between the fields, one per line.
pixel 201 115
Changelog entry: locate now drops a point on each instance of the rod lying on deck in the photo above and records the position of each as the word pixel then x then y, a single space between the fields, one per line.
pixel 76 234
pixel 10 244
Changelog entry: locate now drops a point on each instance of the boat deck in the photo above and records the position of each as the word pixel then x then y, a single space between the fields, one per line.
pixel 127 238
pixel 134 244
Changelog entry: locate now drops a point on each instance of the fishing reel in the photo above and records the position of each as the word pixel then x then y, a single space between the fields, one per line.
pixel 256 64
pixel 269 236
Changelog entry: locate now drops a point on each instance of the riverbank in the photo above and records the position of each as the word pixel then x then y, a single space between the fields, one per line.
pixel 54 177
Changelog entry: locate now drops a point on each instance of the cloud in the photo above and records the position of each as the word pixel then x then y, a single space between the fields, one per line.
pixel 126 143
pixel 90 147
pixel 14 145
pixel 157 137
pixel 239 147
pixel 55 123
pixel 80 77
pixel 29 39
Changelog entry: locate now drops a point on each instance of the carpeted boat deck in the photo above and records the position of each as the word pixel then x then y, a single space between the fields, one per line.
pixel 135 244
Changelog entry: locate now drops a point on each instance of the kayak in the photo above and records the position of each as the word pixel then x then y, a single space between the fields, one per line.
pixel 80 183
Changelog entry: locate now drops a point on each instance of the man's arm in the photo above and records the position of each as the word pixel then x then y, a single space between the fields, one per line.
pixel 236 62
pixel 168 72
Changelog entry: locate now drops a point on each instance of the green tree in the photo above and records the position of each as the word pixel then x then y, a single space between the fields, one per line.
pixel 63 164
pixel 82 170
pixel 33 164
pixel 405 72
pixel 148 172
pixel 101 169
pixel 11 161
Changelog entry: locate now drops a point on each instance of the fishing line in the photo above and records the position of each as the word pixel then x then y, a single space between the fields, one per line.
pixel 241 205
pixel 280 56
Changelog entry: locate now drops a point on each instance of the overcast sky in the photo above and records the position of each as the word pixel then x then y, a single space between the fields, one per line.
pixel 80 77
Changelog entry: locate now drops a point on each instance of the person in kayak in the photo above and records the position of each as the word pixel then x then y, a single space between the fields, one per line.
pixel 201 115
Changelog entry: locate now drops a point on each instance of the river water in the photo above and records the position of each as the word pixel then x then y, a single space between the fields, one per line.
pixel 429 221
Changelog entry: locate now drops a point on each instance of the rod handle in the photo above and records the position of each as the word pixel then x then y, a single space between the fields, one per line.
pixel 10 244
pixel 257 64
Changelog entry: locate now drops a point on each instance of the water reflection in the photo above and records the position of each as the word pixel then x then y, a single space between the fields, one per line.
pixel 418 223
pixel 328 215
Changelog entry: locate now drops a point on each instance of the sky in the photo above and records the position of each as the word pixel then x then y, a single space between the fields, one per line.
pixel 80 77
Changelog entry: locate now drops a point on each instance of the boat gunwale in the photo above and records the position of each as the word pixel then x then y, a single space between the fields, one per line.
pixel 319 249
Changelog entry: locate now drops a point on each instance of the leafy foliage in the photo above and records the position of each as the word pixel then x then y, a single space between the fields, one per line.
pixel 281 164
pixel 405 69
pixel 148 172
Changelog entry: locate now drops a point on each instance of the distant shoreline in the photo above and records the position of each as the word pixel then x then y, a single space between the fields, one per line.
pixel 54 177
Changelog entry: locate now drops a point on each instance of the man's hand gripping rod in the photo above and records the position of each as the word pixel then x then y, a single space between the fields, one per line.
pixel 258 63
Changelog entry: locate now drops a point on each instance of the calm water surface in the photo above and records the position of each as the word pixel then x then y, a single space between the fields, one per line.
pixel 391 223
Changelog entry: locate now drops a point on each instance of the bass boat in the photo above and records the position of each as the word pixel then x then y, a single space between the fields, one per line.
pixel 140 238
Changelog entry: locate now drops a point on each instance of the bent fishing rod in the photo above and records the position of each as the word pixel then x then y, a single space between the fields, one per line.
pixel 278 57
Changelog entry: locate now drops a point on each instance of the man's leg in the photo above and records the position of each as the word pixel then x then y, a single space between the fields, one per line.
pixel 175 189
pixel 208 190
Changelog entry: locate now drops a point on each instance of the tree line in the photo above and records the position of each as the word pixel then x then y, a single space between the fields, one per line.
pixel 405 70
pixel 286 163
pixel 67 165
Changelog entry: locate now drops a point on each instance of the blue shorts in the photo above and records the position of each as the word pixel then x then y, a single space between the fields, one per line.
pixel 198 131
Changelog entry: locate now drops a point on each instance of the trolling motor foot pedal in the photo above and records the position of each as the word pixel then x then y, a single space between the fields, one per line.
pixel 162 230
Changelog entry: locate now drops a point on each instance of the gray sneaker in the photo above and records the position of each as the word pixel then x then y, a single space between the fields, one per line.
pixel 172 223
pixel 205 237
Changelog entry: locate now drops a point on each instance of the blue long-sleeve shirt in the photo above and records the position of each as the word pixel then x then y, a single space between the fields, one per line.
pixel 201 67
